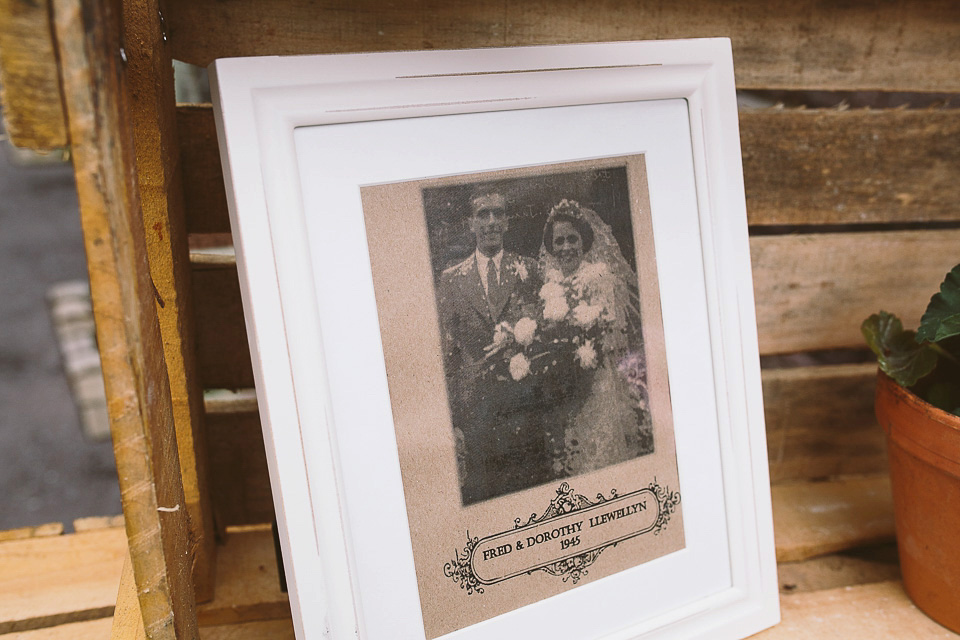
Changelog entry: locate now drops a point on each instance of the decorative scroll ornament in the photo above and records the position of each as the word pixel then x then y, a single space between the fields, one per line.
pixel 461 569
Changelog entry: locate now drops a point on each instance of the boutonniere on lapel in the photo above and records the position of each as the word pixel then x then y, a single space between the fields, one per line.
pixel 520 270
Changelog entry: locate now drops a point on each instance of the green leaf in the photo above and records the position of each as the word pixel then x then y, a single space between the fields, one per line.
pixel 899 354
pixel 942 318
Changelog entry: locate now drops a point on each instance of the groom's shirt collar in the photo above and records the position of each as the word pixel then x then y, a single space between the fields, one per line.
pixel 482 261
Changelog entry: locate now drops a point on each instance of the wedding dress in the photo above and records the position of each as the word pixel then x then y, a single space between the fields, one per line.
pixel 609 422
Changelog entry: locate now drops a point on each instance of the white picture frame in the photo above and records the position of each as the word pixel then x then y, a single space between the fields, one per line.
pixel 299 136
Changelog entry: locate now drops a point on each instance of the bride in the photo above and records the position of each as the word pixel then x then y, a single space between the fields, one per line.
pixel 589 286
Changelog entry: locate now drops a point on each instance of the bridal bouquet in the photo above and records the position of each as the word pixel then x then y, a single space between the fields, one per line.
pixel 565 341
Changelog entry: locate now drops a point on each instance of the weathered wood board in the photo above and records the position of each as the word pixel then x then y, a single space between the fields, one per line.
pixel 820 422
pixel 791 45
pixel 814 290
pixel 30 93
pixel 40 530
pixel 153 113
pixel 864 612
pixel 51 580
pixel 90 630
pixel 831 167
pixel 248 581
pixel 240 482
pixel 801 167
pixel 124 303
pixel 857 566
pixel 817 518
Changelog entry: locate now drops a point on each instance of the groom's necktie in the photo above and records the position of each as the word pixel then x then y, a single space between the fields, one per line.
pixel 493 289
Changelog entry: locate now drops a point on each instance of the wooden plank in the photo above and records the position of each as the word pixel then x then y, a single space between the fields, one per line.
pixel 261 630
pixel 809 167
pixel 38 531
pixel 124 303
pixel 248 581
pixel 240 481
pixel 54 580
pixel 127 620
pixel 813 291
pixel 152 104
pixel 92 523
pixel 203 189
pixel 801 167
pixel 865 612
pixel 99 629
pixel 820 422
pixel 29 79
pixel 819 419
pixel 858 566
pixel 223 354
pixel 898 45
pixel 90 630
pixel 816 518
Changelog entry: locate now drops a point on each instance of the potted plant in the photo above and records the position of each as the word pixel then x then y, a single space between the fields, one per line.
pixel 918 406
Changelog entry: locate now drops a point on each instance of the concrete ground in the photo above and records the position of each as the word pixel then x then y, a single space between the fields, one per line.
pixel 48 471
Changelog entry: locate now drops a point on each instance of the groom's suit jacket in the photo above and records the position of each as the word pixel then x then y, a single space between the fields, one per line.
pixel 468 320
pixel 467 317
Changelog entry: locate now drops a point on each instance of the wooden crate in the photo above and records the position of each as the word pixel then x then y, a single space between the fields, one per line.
pixel 850 211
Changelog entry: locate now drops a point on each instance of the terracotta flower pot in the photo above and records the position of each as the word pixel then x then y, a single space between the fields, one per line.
pixel 923 443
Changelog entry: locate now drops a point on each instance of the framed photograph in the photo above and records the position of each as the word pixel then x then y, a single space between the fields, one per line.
pixel 501 313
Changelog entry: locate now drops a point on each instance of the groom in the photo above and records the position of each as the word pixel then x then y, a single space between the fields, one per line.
pixel 503 445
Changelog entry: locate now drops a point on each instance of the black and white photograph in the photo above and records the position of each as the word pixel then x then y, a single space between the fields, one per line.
pixel 523 341
pixel 539 310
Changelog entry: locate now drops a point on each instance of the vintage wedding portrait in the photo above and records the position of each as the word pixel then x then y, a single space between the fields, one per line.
pixel 537 293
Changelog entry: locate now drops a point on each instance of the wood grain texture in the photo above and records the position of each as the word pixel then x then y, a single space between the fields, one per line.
pixel 248 581
pixel 864 612
pixel 801 167
pixel 33 110
pixel 240 481
pixel 806 44
pixel 153 113
pixel 818 167
pixel 92 523
pixel 100 629
pixel 124 304
pixel 203 188
pixel 817 518
pixel 90 630
pixel 820 422
pixel 127 620
pixel 858 566
pixel 819 419
pixel 223 354
pixel 260 630
pixel 814 290
pixel 53 580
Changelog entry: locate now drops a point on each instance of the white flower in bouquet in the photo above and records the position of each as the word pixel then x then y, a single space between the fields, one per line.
pixel 586 354
pixel 519 367
pixel 586 314
pixel 525 330
pixel 552 291
pixel 501 334
pixel 556 309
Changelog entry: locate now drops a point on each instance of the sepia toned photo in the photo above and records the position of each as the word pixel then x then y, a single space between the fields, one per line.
pixel 539 310
pixel 523 342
